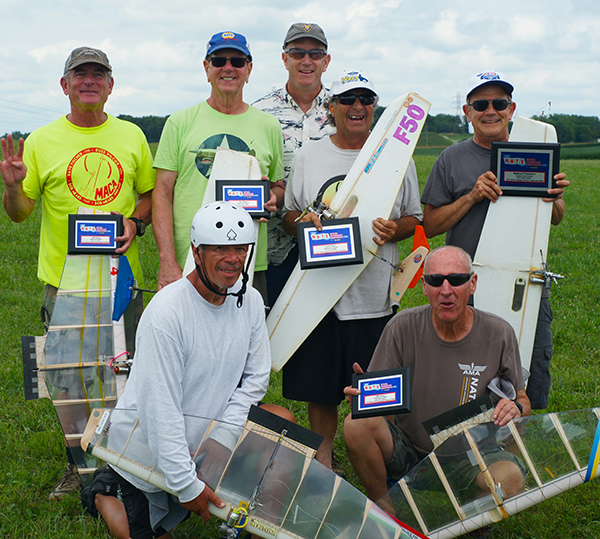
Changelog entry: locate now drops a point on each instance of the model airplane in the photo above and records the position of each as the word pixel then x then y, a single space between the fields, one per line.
pixel 74 363
pixel 557 452
pixel 511 253
pixel 272 485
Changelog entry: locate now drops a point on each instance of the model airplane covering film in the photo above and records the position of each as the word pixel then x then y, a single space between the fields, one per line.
pixel 75 363
pixel 267 479
pixel 80 345
pixel 368 192
pixel 556 452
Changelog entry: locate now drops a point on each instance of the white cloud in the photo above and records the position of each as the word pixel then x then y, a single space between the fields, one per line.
pixel 550 49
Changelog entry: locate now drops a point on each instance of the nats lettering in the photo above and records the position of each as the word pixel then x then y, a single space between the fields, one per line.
pixel 99 176
pixel 471 374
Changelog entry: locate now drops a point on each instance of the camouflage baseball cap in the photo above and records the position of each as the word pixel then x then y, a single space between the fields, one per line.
pixel 84 55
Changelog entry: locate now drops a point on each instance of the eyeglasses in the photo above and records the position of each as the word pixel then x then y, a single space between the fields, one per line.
pixel 481 105
pixel 299 54
pixel 455 279
pixel 236 61
pixel 350 99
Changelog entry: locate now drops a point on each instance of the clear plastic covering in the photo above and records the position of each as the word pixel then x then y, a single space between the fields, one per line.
pixel 290 493
pixel 79 347
pixel 487 467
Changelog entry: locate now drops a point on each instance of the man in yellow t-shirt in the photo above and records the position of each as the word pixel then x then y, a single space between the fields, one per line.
pixel 86 158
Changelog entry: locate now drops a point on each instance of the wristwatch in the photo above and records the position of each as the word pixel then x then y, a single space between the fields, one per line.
pixel 519 406
pixel 139 226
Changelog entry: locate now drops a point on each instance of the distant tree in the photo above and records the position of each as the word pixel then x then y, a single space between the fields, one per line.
pixel 573 128
pixel 16 135
pixel 152 126
pixel 442 123
pixel 446 123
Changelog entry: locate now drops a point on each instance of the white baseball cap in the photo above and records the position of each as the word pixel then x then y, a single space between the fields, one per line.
pixel 489 77
pixel 351 79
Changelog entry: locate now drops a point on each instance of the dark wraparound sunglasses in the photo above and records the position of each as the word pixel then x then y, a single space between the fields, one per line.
pixel 236 61
pixel 481 105
pixel 313 54
pixel 455 279
pixel 350 99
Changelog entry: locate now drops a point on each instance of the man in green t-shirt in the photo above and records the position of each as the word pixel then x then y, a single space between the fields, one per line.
pixel 192 134
pixel 87 158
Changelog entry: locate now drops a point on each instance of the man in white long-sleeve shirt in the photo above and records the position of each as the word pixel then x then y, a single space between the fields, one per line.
pixel 203 350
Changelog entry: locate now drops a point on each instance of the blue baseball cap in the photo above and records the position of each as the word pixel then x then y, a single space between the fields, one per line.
pixel 228 40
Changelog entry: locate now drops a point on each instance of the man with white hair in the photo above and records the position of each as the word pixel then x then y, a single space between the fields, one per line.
pixel 461 186
pixel 350 331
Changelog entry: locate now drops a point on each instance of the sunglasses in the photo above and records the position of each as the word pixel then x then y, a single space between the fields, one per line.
pixel 313 54
pixel 350 99
pixel 481 105
pixel 236 61
pixel 455 279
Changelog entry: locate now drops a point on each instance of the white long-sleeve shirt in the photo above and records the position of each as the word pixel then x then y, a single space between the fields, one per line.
pixel 197 359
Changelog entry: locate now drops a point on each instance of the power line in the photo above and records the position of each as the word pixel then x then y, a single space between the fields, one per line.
pixel 31 106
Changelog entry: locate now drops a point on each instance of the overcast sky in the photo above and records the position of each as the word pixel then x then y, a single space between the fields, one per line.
pixel 549 49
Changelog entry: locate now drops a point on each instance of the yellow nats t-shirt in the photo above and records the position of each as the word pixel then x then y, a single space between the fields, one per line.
pixel 103 168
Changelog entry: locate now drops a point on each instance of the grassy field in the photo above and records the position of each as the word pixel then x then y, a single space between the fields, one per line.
pixel 31 446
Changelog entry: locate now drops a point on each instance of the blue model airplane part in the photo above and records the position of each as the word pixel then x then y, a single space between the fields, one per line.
pixel 124 288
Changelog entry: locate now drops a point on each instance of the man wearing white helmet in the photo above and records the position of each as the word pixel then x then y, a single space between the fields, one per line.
pixel 200 352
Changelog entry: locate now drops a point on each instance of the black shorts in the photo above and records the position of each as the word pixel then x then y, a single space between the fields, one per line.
pixel 322 367
pixel 137 509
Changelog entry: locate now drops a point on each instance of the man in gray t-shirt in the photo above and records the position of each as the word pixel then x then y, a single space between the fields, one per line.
pixel 436 342
pixel 459 190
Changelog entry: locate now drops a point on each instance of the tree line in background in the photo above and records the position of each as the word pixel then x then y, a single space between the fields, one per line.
pixel 569 127
pixel 573 128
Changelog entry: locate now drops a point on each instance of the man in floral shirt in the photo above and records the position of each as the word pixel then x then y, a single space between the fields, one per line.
pixel 299 108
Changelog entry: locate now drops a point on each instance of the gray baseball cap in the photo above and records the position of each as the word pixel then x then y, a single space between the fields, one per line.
pixel 298 30
pixel 84 55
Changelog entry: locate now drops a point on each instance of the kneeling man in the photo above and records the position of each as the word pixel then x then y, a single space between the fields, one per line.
pixel 434 341
pixel 202 350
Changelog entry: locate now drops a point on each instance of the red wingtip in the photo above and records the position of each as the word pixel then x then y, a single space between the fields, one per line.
pixel 420 240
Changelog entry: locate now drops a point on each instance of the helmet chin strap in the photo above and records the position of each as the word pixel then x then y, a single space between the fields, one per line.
pixel 202 275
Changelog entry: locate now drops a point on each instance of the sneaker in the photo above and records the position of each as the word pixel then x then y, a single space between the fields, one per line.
pixel 69 482
pixel 336 465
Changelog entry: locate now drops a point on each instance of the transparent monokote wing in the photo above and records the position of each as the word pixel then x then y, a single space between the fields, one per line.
pixel 79 347
pixel 294 497
pixel 548 454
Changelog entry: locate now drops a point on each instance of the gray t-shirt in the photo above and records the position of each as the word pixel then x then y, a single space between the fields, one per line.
pixel 445 375
pixel 319 168
pixel 453 175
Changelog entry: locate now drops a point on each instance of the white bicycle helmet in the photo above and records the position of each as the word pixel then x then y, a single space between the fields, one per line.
pixel 222 223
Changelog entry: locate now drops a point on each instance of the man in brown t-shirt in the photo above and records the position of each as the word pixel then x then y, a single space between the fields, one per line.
pixel 437 342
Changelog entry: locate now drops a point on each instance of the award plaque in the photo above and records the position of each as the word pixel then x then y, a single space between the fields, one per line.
pixel 381 393
pixel 94 234
pixel 338 244
pixel 252 195
pixel 525 168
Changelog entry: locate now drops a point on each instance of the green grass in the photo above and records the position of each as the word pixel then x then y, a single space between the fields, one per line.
pixel 31 446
